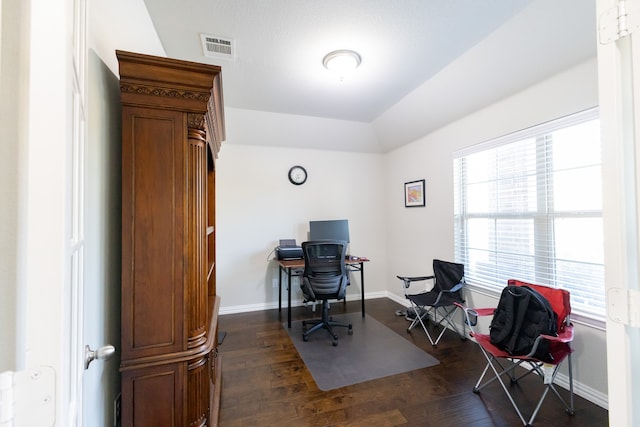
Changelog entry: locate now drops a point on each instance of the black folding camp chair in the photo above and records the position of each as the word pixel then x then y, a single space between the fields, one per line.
pixel 437 305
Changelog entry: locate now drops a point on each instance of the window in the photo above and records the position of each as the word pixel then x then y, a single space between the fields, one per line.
pixel 528 206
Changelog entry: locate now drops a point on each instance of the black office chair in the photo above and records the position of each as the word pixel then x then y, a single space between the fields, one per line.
pixel 448 281
pixel 324 278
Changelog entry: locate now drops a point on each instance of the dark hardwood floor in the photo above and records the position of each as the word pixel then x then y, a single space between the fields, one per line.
pixel 265 383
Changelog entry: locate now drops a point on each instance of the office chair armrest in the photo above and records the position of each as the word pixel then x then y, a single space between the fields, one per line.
pixel 342 292
pixel 307 290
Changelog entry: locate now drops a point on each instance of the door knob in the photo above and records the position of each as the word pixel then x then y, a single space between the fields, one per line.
pixel 102 353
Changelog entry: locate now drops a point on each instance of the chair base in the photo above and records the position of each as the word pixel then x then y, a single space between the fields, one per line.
pixel 324 323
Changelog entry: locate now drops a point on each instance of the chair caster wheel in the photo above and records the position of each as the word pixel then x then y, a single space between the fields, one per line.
pixel 476 390
pixel 463 338
pixel 334 343
pixel 571 412
pixel 350 330
pixel 305 338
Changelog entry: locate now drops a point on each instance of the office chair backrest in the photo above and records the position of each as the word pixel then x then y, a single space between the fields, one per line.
pixel 560 300
pixel 324 267
pixel 448 274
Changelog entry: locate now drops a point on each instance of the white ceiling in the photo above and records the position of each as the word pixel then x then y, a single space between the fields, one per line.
pixel 487 48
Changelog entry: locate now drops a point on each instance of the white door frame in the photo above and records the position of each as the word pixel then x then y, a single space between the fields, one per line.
pixel 50 265
pixel 618 70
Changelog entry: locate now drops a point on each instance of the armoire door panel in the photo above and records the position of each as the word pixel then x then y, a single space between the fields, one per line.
pixel 155 395
pixel 155 155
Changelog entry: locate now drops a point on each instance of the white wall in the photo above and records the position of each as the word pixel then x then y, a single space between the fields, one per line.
pixel 295 131
pixel 122 25
pixel 11 108
pixel 257 205
pixel 431 157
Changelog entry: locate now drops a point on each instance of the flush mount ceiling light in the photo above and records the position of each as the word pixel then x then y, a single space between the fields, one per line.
pixel 341 62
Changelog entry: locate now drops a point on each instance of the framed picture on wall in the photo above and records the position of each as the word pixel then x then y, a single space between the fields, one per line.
pixel 414 194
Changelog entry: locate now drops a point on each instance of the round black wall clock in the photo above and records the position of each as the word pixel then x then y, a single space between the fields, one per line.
pixel 297 175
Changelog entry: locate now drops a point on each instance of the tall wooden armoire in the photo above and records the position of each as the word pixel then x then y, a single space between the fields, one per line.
pixel 172 128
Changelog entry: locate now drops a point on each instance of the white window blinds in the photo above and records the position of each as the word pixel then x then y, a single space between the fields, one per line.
pixel 528 206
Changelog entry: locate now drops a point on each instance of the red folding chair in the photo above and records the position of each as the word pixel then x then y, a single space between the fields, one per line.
pixel 502 363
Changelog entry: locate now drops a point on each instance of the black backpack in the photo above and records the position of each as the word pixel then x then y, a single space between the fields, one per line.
pixel 523 314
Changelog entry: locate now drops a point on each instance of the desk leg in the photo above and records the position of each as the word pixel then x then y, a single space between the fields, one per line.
pixel 289 297
pixel 362 285
pixel 279 289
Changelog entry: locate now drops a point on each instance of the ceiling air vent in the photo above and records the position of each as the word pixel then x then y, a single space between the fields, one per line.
pixel 218 47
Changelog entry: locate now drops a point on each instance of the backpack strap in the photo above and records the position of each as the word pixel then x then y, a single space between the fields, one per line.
pixel 521 299
pixel 552 325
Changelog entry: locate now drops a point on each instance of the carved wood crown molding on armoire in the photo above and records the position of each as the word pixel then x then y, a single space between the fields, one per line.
pixel 172 129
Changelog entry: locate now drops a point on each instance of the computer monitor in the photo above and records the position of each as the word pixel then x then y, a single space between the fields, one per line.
pixel 337 229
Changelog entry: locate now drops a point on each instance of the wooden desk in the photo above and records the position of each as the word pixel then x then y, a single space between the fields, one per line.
pixel 353 264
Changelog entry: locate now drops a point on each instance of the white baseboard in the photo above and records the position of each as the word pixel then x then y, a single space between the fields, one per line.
pixel 294 303
pixel 594 396
pixel 248 308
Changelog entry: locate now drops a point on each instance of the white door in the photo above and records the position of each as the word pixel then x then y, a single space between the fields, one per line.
pixel 76 211
pixel 85 400
pixel 619 81
pixel 52 198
